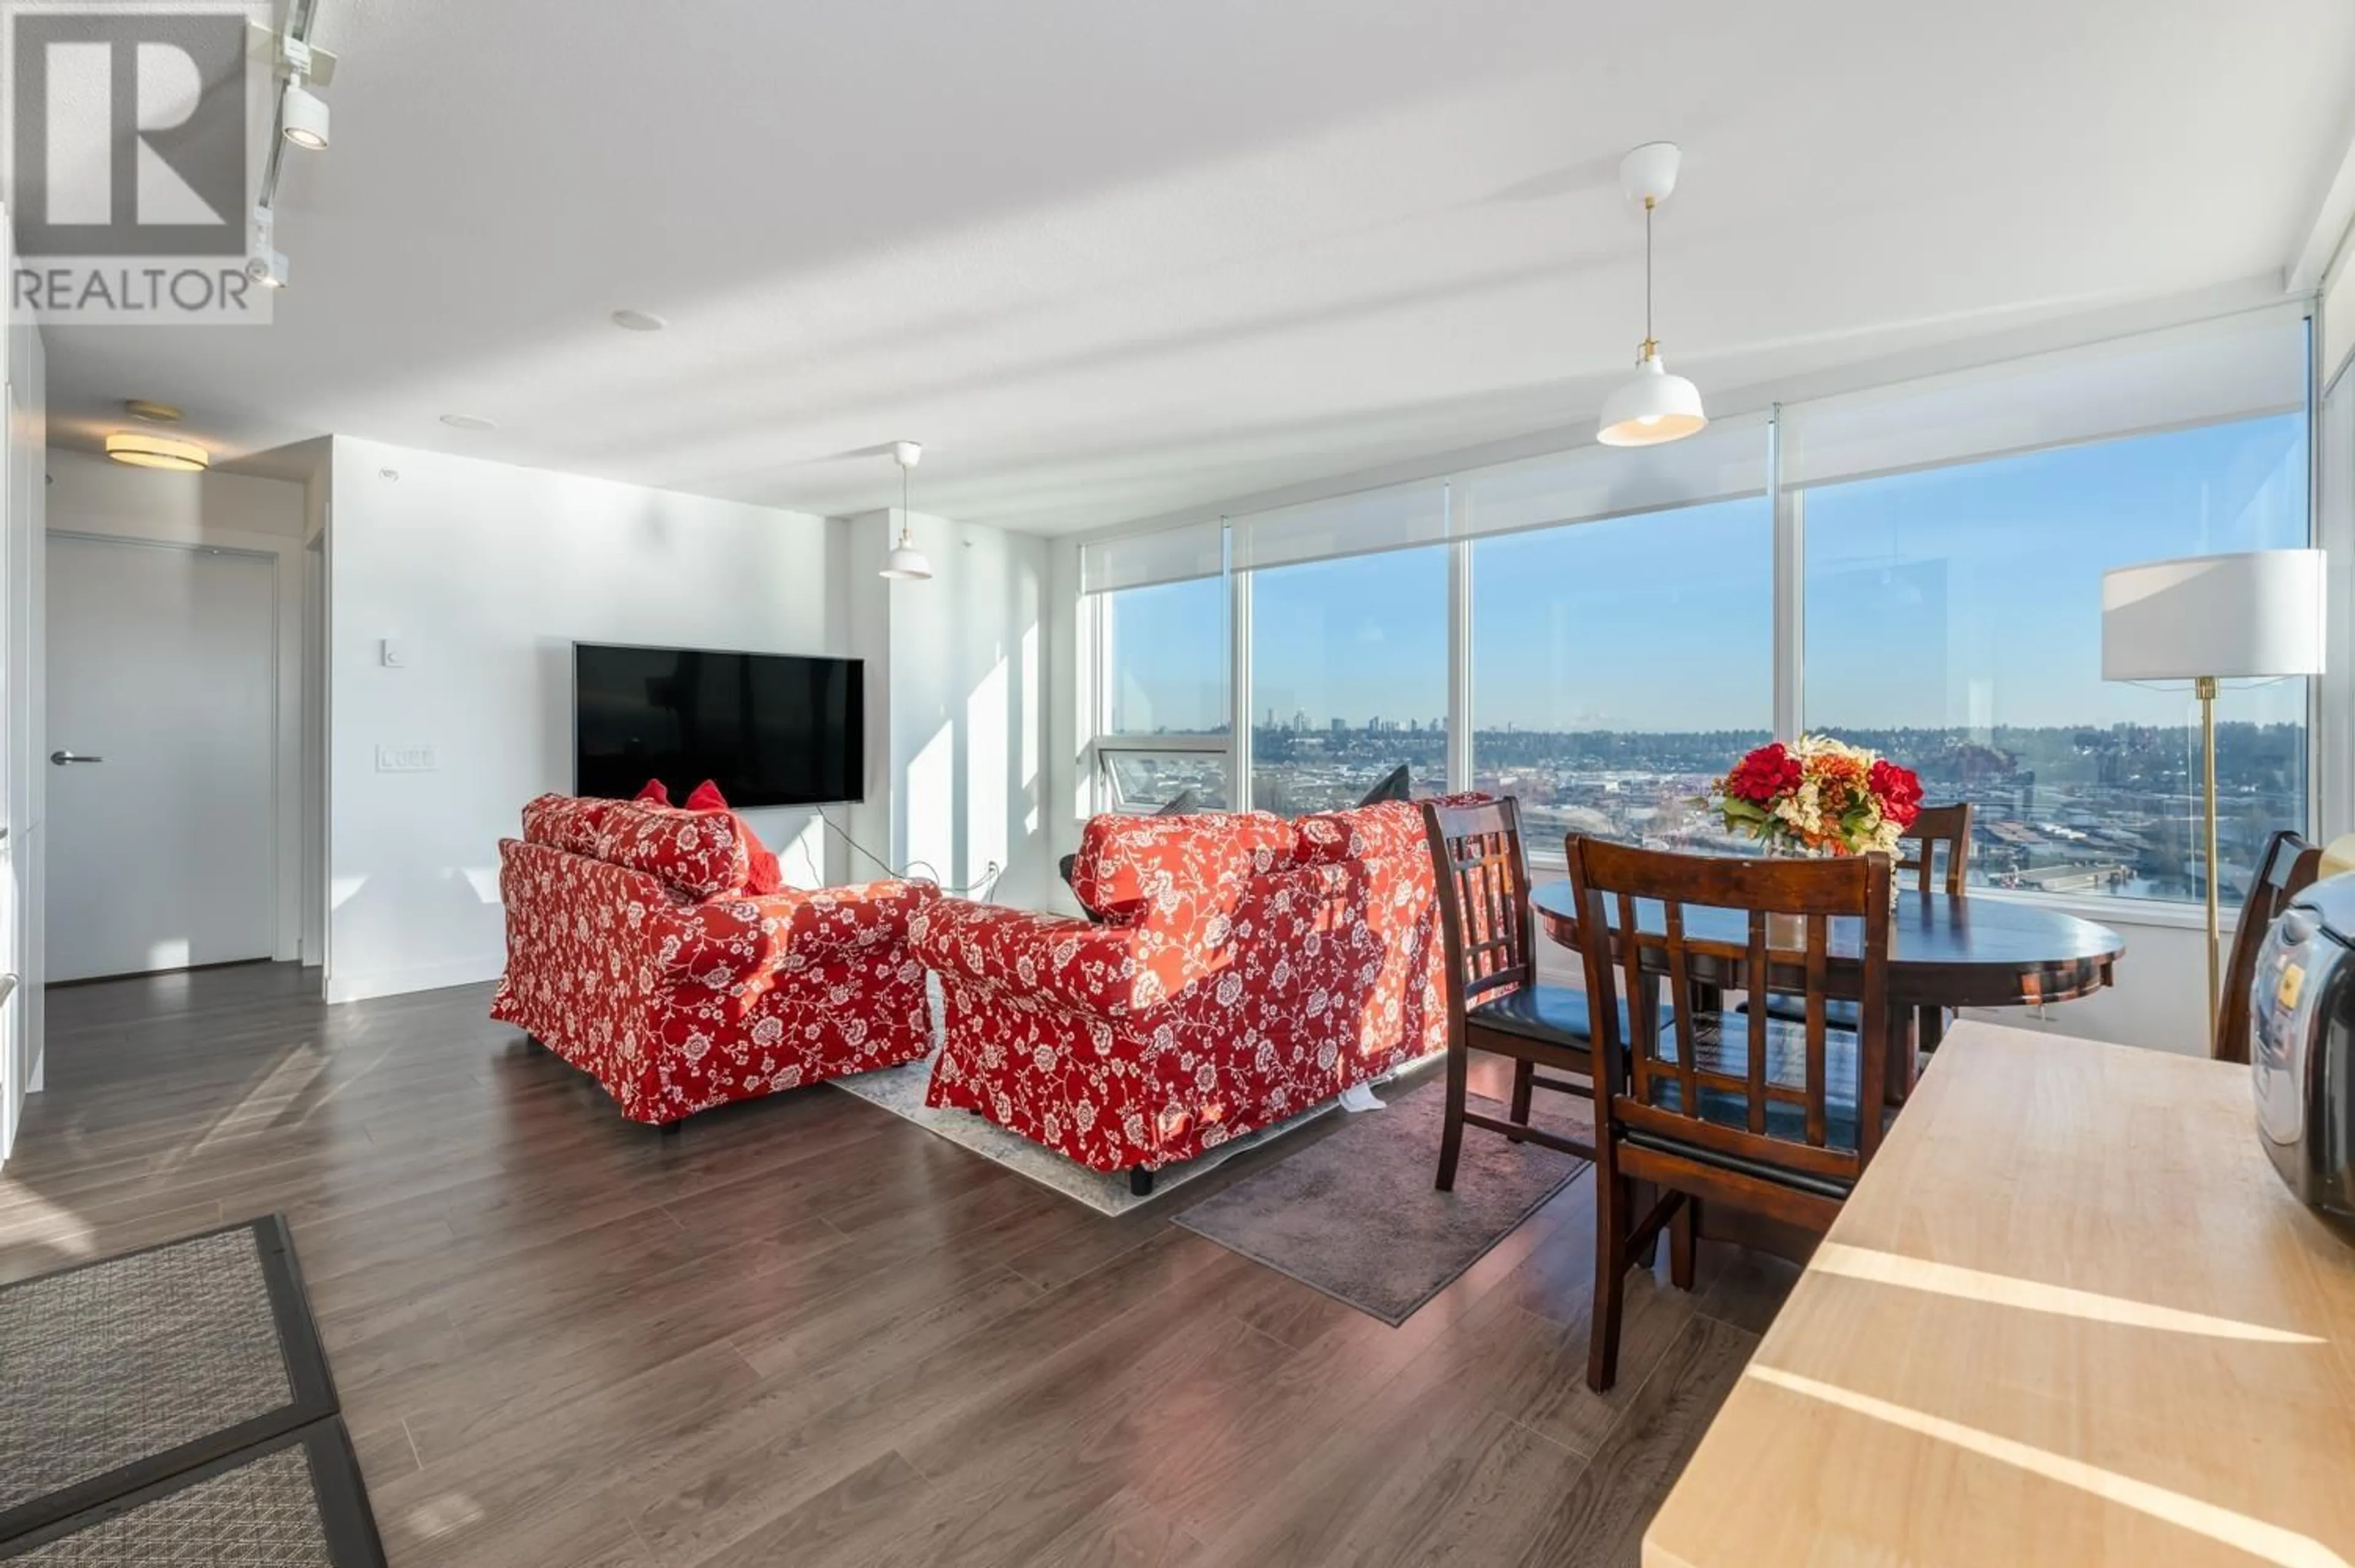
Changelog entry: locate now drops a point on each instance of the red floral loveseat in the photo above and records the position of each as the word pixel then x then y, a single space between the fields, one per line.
pixel 1247 969
pixel 636 954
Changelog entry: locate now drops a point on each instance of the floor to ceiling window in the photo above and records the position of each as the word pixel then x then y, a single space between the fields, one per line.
pixel 1618 666
pixel 1348 678
pixel 1953 623
pixel 1163 651
pixel 1939 547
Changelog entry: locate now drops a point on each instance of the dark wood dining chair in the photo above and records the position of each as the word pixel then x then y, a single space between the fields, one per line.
pixel 1496 1002
pixel 1747 1110
pixel 2287 869
pixel 1946 828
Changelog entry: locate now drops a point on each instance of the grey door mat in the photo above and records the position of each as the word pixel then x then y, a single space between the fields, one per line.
pixel 1356 1216
pixel 122 1374
pixel 296 1501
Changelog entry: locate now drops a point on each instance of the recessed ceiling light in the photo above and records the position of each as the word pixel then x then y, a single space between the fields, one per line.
pixel 144 450
pixel 153 414
pixel 469 421
pixel 639 321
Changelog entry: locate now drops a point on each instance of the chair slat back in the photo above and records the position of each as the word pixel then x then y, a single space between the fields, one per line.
pixel 1486 920
pixel 2287 869
pixel 1937 827
pixel 1787 912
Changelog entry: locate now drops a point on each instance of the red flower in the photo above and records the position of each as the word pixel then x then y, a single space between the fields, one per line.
pixel 1899 790
pixel 1764 776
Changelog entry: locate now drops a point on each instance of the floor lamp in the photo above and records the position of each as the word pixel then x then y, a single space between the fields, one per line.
pixel 2207 619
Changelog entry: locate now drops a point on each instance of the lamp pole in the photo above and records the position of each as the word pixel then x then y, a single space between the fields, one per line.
pixel 2204 688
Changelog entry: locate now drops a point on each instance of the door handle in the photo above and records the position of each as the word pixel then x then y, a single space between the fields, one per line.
pixel 66 759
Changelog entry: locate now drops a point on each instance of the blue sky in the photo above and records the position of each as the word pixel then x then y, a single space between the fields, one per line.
pixel 1957 596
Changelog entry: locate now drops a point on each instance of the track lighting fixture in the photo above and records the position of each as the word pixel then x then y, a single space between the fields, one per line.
pixel 906 561
pixel 267 264
pixel 302 116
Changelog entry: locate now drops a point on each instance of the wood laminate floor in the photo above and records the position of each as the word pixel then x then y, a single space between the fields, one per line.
pixel 805 1332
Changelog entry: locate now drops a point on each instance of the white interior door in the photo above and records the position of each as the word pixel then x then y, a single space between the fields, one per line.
pixel 162 689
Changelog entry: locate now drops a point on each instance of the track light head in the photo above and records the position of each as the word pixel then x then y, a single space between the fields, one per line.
pixel 302 116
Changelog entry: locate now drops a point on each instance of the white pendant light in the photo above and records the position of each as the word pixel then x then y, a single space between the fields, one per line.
pixel 1652 407
pixel 906 561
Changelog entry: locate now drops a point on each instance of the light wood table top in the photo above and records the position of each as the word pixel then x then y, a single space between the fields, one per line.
pixel 2070 1316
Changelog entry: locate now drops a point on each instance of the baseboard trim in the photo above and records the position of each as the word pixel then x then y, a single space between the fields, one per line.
pixel 345 987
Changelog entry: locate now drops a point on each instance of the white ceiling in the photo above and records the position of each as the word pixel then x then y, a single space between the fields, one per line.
pixel 1110 259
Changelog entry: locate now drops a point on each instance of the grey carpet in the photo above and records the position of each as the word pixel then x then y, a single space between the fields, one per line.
pixel 128 1358
pixel 263 1513
pixel 1355 1215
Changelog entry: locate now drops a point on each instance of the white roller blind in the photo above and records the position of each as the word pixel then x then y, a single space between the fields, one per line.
pixel 2237 367
pixel 2339 317
pixel 1391 518
pixel 1166 555
pixel 1587 483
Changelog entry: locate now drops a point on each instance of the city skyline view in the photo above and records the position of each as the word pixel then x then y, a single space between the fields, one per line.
pixel 1952 622
pixel 2001 559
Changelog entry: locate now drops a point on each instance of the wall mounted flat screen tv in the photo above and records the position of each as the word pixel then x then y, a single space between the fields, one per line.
pixel 768 729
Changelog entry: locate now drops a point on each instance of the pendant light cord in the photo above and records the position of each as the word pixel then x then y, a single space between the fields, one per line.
pixel 1650 345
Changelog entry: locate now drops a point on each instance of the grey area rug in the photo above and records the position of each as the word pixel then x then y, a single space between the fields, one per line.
pixel 1356 1216
pixel 293 1502
pixel 900 1091
pixel 127 1377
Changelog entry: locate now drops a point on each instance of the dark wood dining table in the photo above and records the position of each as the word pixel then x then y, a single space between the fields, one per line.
pixel 1946 950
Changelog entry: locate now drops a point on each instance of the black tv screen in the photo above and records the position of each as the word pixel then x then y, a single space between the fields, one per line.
pixel 768 729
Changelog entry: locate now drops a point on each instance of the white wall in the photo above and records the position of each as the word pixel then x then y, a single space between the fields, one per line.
pixel 91 495
pixel 964 656
pixel 23 613
pixel 315 491
pixel 488 574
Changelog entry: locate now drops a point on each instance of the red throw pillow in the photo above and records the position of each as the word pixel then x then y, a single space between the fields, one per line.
pixel 767 876
pixel 656 792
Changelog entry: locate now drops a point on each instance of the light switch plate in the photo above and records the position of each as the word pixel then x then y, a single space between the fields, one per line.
pixel 405 760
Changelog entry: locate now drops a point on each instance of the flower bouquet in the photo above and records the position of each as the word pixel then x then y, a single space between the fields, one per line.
pixel 1818 797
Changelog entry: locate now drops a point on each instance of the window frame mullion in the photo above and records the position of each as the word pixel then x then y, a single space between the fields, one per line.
pixel 1788 505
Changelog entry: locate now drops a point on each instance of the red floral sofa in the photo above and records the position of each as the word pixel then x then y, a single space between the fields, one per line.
pixel 636 954
pixel 1247 968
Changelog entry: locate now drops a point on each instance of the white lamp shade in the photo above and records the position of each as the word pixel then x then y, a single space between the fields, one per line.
pixel 907 561
pixel 1651 407
pixel 2252 615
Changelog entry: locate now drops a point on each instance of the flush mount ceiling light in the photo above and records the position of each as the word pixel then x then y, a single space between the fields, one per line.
pixel 469 421
pixel 639 321
pixel 142 450
pixel 906 562
pixel 1653 406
